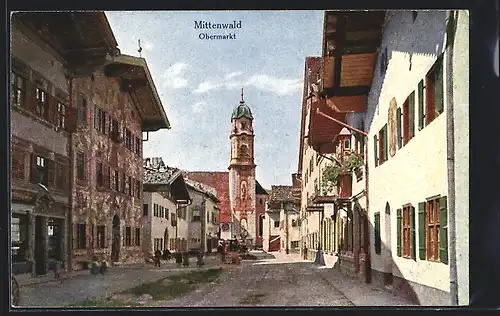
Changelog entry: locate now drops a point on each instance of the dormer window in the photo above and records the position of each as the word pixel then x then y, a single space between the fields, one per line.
pixel 347 144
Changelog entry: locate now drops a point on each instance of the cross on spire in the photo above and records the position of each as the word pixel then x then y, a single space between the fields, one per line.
pixel 241 94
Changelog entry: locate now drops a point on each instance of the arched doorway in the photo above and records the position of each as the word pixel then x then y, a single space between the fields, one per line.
pixel 115 239
pixel 388 242
pixel 165 239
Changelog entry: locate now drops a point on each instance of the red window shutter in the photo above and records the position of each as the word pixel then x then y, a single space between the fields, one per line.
pixel 430 98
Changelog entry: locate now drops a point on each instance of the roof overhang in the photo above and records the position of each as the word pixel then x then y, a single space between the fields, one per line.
pixel 315 208
pixel 136 79
pixel 259 189
pixel 175 185
pixel 351 40
pixel 82 39
pixel 324 199
pixel 322 131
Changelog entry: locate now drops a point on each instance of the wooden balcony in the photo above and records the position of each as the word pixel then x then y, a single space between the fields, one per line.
pixel 351 40
pixel 322 131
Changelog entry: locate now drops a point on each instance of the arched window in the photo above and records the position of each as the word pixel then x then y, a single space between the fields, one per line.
pixel 261 201
pixel 244 150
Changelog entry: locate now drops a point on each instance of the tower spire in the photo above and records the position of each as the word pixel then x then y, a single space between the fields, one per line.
pixel 242 94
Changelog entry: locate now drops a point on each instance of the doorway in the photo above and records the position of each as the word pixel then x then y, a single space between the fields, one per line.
pixel 388 276
pixel 115 244
pixel 165 239
pixel 40 248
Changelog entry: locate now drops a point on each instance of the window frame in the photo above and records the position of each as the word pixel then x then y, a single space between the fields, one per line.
pixel 432 226
pixel 81 236
pixel 18 91
pixel 42 104
pixel 406 233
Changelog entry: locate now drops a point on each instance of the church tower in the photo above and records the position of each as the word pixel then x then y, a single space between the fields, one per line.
pixel 242 172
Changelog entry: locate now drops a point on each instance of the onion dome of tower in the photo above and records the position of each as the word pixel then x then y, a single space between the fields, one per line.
pixel 241 110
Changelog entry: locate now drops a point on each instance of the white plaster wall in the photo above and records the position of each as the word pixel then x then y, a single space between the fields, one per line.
pixel 159 225
pixel 418 170
pixel 274 216
pixel 265 230
pixel 461 121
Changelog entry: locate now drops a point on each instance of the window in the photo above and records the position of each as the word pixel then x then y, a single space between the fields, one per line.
pixel 137 237
pixel 129 183
pixel 115 130
pixel 433 229
pixel 432 235
pixel 409 118
pixel 81 109
pixel 155 210
pixel 276 224
pixel 406 232
pixel 61 115
pixel 81 236
pixel 101 236
pixel 128 139
pixel 166 213
pixel 382 146
pixel 434 92
pixel 128 236
pixel 138 146
pixel 294 223
pixel 145 209
pixel 17 89
pixel 378 241
pixel 347 144
pixel 117 180
pixel 41 108
pixel 161 211
pixel 80 166
pixel 100 174
pixel 421 112
pixel 261 201
pixel 196 216
pixel 123 182
pixel 138 188
pixel 294 244
pixel 173 219
pixel 40 170
pixel 375 150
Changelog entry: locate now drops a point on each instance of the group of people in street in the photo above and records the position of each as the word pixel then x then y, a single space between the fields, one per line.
pixel 158 255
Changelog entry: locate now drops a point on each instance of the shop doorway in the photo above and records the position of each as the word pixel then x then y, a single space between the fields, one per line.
pixel 115 244
pixel 40 250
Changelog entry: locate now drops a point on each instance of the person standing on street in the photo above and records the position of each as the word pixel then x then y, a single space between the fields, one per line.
pixel 157 257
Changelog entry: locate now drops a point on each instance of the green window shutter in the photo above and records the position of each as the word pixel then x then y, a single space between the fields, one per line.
pixel 421 114
pixel 443 230
pixel 411 115
pixel 399 229
pixel 439 86
pixel 398 128
pixel 412 230
pixel 377 244
pixel 375 149
pixel 421 231
pixel 386 155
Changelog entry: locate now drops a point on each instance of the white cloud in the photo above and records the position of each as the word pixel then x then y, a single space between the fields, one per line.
pixel 198 107
pixel 278 86
pixel 147 46
pixel 172 77
pixel 233 74
pixel 206 86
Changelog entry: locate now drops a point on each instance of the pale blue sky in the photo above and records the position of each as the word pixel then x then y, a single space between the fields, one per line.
pixel 199 83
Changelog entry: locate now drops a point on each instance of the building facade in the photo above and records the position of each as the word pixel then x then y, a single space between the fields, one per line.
pixel 382 104
pixel 165 191
pixel 203 217
pixel 113 107
pixel 408 126
pixel 44 63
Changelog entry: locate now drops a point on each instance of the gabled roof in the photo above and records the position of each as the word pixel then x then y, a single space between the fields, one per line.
pixel 156 175
pixel 202 188
pixel 219 180
pixel 259 190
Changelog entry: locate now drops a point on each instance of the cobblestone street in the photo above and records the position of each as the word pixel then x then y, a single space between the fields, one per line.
pixel 283 281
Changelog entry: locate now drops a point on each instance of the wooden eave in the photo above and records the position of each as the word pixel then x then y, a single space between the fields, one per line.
pixel 136 79
pixel 351 40
pixel 81 39
pixel 179 189
pixel 315 208
pixel 322 131
pixel 324 199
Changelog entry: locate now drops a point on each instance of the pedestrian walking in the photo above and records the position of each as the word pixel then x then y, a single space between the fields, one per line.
pixel 157 257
